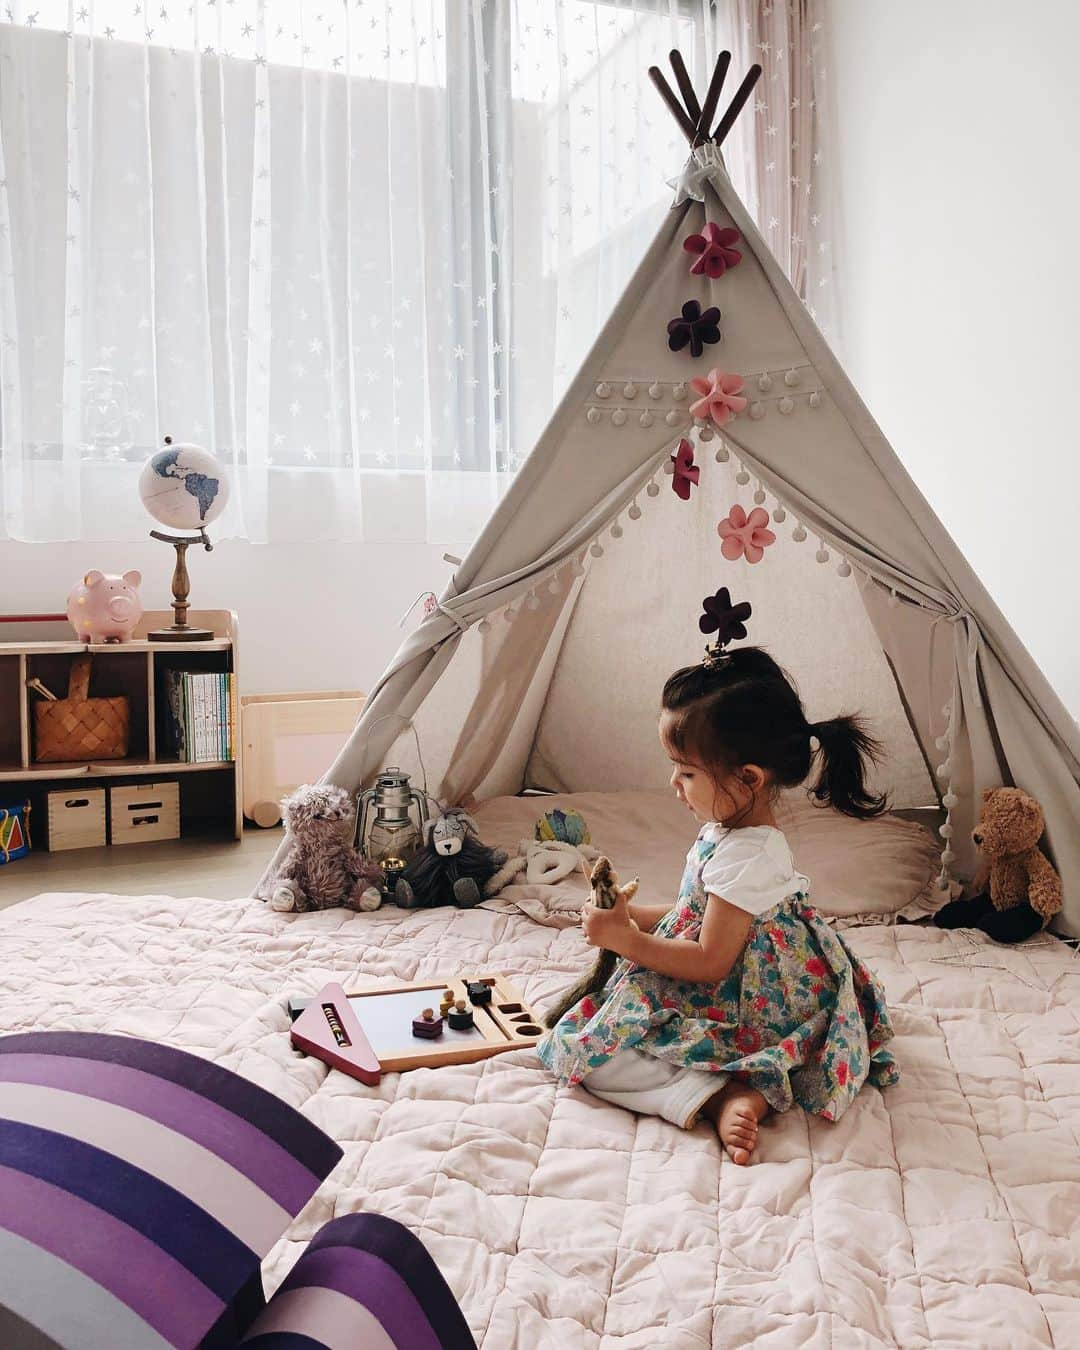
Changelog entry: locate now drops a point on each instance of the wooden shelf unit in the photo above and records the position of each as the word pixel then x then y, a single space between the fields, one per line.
pixel 211 795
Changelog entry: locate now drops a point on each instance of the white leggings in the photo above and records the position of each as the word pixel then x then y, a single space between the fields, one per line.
pixel 653 1087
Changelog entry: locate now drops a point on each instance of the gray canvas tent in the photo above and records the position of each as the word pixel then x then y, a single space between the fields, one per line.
pixel 543 663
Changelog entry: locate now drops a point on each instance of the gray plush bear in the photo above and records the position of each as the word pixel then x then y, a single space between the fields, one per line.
pixel 320 868
pixel 453 867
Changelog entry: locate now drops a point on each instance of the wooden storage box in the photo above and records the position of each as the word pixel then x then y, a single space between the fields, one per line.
pixel 141 812
pixel 76 818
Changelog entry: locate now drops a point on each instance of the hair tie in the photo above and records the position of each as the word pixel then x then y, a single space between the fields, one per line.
pixel 727 621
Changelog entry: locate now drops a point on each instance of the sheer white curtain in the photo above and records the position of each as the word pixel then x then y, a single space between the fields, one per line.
pixel 355 249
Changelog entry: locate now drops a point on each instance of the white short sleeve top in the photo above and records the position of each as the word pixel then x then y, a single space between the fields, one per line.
pixel 751 868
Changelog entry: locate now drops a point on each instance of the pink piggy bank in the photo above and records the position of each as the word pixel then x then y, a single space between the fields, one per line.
pixel 105 608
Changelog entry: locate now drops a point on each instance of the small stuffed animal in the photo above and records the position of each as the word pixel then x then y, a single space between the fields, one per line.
pixel 606 891
pixel 320 868
pixel 1024 890
pixel 453 867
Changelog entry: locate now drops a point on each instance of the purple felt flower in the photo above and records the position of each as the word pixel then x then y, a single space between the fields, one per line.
pixel 721 617
pixel 694 329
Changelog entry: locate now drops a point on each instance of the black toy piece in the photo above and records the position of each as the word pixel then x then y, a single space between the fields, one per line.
pixel 297 1006
pixel 479 993
pixel 452 868
pixel 1003 925
pixel 428 1025
pixel 460 1016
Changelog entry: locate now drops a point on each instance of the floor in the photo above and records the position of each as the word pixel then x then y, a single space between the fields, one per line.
pixel 219 869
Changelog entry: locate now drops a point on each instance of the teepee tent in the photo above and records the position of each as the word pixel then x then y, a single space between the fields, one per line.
pixel 543 662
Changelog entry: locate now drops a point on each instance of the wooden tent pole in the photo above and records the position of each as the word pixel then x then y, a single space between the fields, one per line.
pixel 736 105
pixel 712 97
pixel 677 110
pixel 678 65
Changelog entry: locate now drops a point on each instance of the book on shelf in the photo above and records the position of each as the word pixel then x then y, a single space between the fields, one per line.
pixel 198 725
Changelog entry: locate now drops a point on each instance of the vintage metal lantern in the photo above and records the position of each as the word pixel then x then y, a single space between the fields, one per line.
pixel 390 820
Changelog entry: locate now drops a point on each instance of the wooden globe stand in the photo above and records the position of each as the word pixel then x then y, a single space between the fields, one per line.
pixel 181 630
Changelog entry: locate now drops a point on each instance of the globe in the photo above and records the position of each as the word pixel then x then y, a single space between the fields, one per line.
pixel 183 487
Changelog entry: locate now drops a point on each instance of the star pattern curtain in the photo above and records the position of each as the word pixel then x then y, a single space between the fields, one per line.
pixel 354 249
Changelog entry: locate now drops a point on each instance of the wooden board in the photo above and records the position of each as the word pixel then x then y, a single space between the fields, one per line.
pixel 384 1017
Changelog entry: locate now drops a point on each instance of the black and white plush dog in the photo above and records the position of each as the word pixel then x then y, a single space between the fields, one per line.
pixel 453 867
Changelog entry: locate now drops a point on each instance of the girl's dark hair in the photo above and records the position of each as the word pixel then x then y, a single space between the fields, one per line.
pixel 747 712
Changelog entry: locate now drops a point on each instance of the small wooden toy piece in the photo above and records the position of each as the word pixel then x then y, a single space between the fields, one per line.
pixel 427 1025
pixel 460 1016
pixel 479 993
pixel 446 1002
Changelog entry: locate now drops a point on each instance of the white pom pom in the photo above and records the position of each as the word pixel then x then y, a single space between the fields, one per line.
pixel 948 856
pixel 742 477
pixel 484 626
pixel 722 454
pixel 786 405
pixel 616 531
pixel 578 569
pixel 946 831
pixel 757 411
pixel 678 391
pixel 844 569
pixel 759 496
pixel 618 417
pixel 656 390
pixel 597 550
pixel 672 418
pixel 554 586
pixel 705 434
pixel 779 515
pixel 653 489
pixel 635 512
pixel 532 601
pixel 942 742
pixel 950 800
pixel 791 379
pixel 943 880
pixel 822 555
pixel 629 389
pixel 646 419
pixel 798 534
pixel 943 770
pixel 593 415
pixel 509 613
pixel 815 399
pixel 603 390
pixel 764 382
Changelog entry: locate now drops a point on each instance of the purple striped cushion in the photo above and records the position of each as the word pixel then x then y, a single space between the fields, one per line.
pixel 364 1283
pixel 140 1189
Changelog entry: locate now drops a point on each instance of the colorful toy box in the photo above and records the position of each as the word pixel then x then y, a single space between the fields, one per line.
pixel 14 831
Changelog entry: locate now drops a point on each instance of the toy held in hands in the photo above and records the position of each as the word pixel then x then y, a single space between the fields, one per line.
pixel 104 607
pixel 320 868
pixel 1023 891
pixel 606 892
pixel 452 868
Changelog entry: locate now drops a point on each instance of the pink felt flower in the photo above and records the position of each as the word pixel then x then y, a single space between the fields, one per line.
pixel 715 250
pixel 684 472
pixel 745 536
pixel 720 396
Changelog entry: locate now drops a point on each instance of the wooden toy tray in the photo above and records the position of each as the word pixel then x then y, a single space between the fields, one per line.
pixel 368 1032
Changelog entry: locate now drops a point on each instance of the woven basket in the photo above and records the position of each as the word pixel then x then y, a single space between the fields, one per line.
pixel 79 727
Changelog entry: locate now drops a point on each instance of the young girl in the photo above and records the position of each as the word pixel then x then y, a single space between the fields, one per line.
pixel 740 999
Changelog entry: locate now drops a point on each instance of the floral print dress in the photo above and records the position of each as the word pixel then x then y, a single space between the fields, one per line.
pixel 798 1016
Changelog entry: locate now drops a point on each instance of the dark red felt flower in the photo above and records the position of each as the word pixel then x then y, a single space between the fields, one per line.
pixel 714 249
pixel 694 329
pixel 721 617
pixel 684 472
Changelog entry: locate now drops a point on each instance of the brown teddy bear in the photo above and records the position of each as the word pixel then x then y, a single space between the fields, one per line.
pixel 320 868
pixel 1025 891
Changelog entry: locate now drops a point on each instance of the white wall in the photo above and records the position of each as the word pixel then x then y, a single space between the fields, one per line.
pixel 312 616
pixel 959 280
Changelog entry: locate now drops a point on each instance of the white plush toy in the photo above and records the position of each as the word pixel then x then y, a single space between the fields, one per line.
pixel 541 862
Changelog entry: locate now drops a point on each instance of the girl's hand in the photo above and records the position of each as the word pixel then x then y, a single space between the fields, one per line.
pixel 610 928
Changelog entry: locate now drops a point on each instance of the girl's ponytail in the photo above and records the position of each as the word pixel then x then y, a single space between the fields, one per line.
pixel 847 749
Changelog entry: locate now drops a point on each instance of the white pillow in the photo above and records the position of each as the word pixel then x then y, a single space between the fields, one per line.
pixel 866 870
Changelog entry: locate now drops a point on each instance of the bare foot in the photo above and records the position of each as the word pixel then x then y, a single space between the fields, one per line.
pixel 735 1111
